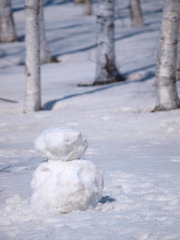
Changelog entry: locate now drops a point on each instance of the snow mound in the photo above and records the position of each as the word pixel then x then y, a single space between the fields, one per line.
pixel 66 186
pixel 61 143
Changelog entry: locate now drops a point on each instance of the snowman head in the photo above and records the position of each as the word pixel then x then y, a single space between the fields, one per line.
pixel 61 143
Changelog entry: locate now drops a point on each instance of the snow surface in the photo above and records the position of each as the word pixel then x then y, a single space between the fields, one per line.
pixel 137 150
pixel 61 143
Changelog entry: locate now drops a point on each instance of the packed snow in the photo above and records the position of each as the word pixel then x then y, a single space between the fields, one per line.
pixel 61 143
pixel 137 150
pixel 70 183
pixel 66 186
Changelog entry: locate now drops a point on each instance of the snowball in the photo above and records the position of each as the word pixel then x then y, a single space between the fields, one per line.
pixel 61 143
pixel 66 186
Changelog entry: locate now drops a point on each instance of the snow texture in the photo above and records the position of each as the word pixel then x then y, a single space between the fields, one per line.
pixel 61 143
pixel 66 186
pixel 69 184
pixel 137 150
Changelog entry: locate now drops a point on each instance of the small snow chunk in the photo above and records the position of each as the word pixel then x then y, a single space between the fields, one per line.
pixel 66 186
pixel 61 143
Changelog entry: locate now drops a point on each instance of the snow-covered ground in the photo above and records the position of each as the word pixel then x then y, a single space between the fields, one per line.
pixel 138 150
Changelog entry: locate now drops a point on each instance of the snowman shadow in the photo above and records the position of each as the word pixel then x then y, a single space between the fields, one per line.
pixel 107 199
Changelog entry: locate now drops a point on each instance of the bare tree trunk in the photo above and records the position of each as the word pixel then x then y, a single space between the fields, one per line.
pixel 106 70
pixel 136 13
pixel 7 27
pixel 178 58
pixel 167 97
pixel 88 8
pixel 45 54
pixel 79 2
pixel 33 88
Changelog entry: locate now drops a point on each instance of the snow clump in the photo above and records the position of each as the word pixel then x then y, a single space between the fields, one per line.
pixel 66 186
pixel 70 183
pixel 61 143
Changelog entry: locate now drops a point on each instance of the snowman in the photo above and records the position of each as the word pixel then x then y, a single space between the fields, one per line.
pixel 65 182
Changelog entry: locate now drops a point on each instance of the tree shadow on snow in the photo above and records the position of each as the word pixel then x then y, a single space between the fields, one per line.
pixel 149 75
pixel 133 33
pixel 20 7
pixel 56 2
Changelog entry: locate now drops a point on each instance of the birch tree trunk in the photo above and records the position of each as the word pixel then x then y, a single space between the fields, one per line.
pixel 7 27
pixel 88 8
pixel 106 70
pixel 136 13
pixel 178 58
pixel 33 88
pixel 167 96
pixel 79 2
pixel 45 54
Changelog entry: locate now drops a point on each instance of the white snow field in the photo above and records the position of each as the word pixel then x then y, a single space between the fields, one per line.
pixel 138 151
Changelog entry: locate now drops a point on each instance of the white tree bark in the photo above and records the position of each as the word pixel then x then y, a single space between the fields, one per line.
pixel 167 96
pixel 45 54
pixel 7 27
pixel 88 8
pixel 178 58
pixel 106 70
pixel 136 13
pixel 33 85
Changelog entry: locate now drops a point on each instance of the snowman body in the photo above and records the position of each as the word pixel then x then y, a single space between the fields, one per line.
pixel 65 183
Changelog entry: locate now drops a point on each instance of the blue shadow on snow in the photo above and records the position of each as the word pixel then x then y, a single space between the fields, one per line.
pixel 49 105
